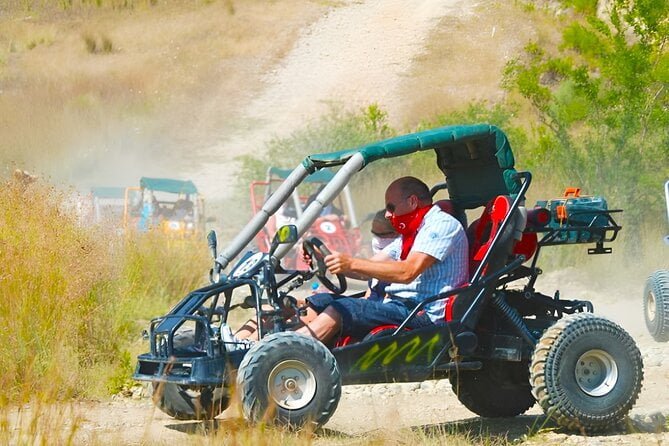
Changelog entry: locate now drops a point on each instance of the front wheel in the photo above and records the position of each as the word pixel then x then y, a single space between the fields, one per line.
pixel 290 380
pixel 656 305
pixel 586 373
pixel 190 403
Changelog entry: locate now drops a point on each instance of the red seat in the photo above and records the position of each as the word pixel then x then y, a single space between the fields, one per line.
pixel 481 232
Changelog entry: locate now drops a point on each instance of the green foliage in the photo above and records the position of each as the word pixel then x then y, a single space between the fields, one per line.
pixel 374 119
pixel 585 6
pixel 602 104
pixel 121 378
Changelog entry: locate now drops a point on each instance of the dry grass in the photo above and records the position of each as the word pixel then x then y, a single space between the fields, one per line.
pixel 465 56
pixel 93 83
pixel 71 296
pixel 39 423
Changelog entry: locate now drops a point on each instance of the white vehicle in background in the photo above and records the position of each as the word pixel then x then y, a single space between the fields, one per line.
pixel 656 295
pixel 102 206
pixel 108 204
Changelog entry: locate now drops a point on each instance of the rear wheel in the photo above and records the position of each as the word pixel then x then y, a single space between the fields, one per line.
pixel 656 305
pixel 190 403
pixel 499 389
pixel 586 373
pixel 289 379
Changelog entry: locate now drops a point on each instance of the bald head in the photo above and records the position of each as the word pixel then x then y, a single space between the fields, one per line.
pixel 407 186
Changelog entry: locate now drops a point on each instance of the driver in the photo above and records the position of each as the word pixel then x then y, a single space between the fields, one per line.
pixel 429 258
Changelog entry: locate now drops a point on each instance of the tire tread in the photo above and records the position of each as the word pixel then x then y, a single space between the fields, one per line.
pixel 552 399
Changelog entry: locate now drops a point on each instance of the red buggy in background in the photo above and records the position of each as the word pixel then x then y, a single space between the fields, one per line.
pixel 337 225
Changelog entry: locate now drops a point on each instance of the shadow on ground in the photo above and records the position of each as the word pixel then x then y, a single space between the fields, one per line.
pixel 520 428
pixel 477 429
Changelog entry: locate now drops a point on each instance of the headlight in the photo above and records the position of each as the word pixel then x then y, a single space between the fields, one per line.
pixel 174 225
pixel 189 225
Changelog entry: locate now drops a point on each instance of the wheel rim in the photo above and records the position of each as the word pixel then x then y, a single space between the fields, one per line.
pixel 596 372
pixel 291 384
pixel 650 306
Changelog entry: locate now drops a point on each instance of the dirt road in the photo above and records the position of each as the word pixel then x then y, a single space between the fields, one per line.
pixel 356 54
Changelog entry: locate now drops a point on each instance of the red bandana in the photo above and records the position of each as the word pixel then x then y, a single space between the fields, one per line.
pixel 407 226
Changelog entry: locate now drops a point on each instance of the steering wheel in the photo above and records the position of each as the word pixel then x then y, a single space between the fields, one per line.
pixel 317 250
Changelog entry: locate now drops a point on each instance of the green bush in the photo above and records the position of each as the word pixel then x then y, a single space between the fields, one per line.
pixel 601 101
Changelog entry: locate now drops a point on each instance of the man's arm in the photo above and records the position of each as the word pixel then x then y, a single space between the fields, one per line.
pixel 403 271
pixel 379 257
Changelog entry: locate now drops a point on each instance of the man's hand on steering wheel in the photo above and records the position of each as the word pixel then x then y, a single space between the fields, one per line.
pixel 316 250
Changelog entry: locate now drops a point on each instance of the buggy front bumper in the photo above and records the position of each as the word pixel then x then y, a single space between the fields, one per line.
pixel 188 371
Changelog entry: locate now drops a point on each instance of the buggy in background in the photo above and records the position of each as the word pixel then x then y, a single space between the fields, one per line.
pixel 337 225
pixel 656 295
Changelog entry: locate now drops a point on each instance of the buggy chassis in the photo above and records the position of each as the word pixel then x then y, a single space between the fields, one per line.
pixel 503 347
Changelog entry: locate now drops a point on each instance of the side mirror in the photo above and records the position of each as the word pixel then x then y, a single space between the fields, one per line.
pixel 285 234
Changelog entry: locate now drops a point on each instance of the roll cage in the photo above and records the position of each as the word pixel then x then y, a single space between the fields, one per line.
pixel 476 160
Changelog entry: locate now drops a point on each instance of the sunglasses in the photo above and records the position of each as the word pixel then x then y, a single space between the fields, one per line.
pixel 391 207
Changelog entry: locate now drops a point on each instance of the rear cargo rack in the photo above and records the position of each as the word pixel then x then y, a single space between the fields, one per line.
pixel 601 228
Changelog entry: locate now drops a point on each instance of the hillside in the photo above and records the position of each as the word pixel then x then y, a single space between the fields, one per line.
pixel 99 96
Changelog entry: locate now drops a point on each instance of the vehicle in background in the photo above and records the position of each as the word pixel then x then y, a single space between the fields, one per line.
pixel 656 295
pixel 174 207
pixel 104 206
pixel 337 224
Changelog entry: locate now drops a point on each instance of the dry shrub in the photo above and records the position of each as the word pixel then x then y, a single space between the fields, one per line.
pixel 50 271
pixel 71 296
pixel 98 44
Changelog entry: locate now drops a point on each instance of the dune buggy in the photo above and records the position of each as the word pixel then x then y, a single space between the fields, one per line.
pixel 337 225
pixel 656 295
pixel 173 207
pixel 503 345
pixel 107 205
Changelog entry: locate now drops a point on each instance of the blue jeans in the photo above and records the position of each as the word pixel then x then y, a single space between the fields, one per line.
pixel 359 315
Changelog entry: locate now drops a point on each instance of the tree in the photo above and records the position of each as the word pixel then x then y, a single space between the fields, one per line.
pixel 601 98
